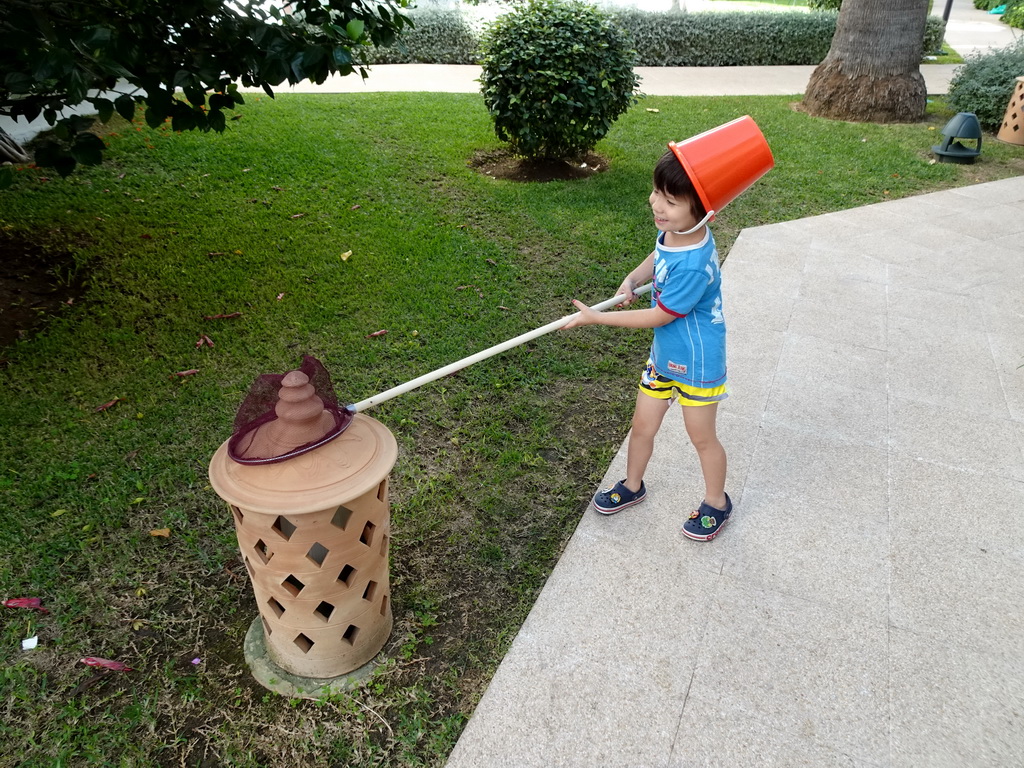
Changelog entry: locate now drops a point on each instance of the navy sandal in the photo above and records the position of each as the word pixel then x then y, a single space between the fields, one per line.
pixel 706 521
pixel 611 500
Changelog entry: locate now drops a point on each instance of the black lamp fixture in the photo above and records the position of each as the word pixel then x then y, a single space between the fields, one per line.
pixel 963 125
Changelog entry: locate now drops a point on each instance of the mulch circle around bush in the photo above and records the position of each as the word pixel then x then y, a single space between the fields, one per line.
pixel 503 164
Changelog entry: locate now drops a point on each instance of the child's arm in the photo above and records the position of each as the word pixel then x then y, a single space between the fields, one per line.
pixel 643 273
pixel 638 318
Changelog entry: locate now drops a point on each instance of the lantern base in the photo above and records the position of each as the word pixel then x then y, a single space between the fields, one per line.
pixel 274 678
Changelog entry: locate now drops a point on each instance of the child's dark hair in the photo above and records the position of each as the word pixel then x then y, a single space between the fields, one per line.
pixel 671 179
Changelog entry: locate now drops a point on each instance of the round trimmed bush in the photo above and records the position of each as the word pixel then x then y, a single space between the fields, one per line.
pixel 984 83
pixel 555 77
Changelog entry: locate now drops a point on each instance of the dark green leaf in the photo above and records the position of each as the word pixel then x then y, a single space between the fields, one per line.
pixel 221 101
pixel 195 95
pixel 125 107
pixel 105 109
pixel 183 120
pixel 216 121
pixel 155 117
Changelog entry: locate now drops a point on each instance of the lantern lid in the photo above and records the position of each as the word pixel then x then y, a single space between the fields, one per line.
pixel 333 474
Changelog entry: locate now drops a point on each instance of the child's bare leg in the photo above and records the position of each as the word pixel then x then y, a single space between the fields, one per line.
pixel 700 426
pixel 647 418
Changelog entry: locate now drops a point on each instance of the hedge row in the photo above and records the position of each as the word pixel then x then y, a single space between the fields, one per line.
pixel 703 39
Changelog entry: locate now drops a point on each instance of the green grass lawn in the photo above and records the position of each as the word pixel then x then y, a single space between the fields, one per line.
pixel 496 464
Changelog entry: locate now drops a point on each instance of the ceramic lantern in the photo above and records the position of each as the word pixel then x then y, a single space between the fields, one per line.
pixel 313 530
pixel 1012 129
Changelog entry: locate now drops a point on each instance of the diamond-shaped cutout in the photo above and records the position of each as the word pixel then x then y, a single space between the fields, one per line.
pixel 324 610
pixel 293 585
pixel 276 607
pixel 350 634
pixel 345 577
pixel 262 551
pixel 370 591
pixel 318 553
pixel 384 545
pixel 384 606
pixel 367 535
pixel 304 643
pixel 382 491
pixel 248 567
pixel 341 517
pixel 283 527
pixel 266 627
pixel 238 514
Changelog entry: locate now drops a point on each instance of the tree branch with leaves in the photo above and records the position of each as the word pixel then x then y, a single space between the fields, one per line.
pixel 181 60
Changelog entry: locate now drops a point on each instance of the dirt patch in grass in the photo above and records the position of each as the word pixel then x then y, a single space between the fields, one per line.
pixel 36 281
pixel 502 164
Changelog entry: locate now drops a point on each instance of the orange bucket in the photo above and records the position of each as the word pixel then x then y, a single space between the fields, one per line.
pixel 723 162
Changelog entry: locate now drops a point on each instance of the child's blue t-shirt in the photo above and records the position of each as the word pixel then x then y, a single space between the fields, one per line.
pixel 688 285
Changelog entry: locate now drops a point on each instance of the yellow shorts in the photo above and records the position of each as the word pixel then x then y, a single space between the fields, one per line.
pixel 654 384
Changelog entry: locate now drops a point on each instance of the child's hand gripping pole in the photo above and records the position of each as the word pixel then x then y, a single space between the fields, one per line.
pixel 504 346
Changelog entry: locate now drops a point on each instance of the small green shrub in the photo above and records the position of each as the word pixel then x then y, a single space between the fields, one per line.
pixel 934 34
pixel 824 5
pixel 987 5
pixel 985 82
pixel 555 76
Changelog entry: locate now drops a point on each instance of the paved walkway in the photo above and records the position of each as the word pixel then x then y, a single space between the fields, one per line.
pixel 863 609
pixel 864 606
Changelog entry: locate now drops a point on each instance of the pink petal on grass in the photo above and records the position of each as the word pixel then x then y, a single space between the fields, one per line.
pixel 95 661
pixel 35 603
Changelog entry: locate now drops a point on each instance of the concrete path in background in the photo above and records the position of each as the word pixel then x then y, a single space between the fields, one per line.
pixel 863 606
pixel 970 31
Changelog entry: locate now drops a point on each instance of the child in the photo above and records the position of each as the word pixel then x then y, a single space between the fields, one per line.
pixel 687 359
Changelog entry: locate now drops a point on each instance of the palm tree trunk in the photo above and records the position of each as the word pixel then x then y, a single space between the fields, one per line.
pixel 872 72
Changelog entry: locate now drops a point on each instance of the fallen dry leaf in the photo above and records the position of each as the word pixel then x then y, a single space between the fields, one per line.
pixel 183 374
pixel 111 404
pixel 375 334
pixel 296 216
pixel 345 255
pixel 165 532
pixel 222 317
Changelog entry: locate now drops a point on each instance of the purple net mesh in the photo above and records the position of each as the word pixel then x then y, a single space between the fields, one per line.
pixel 286 415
